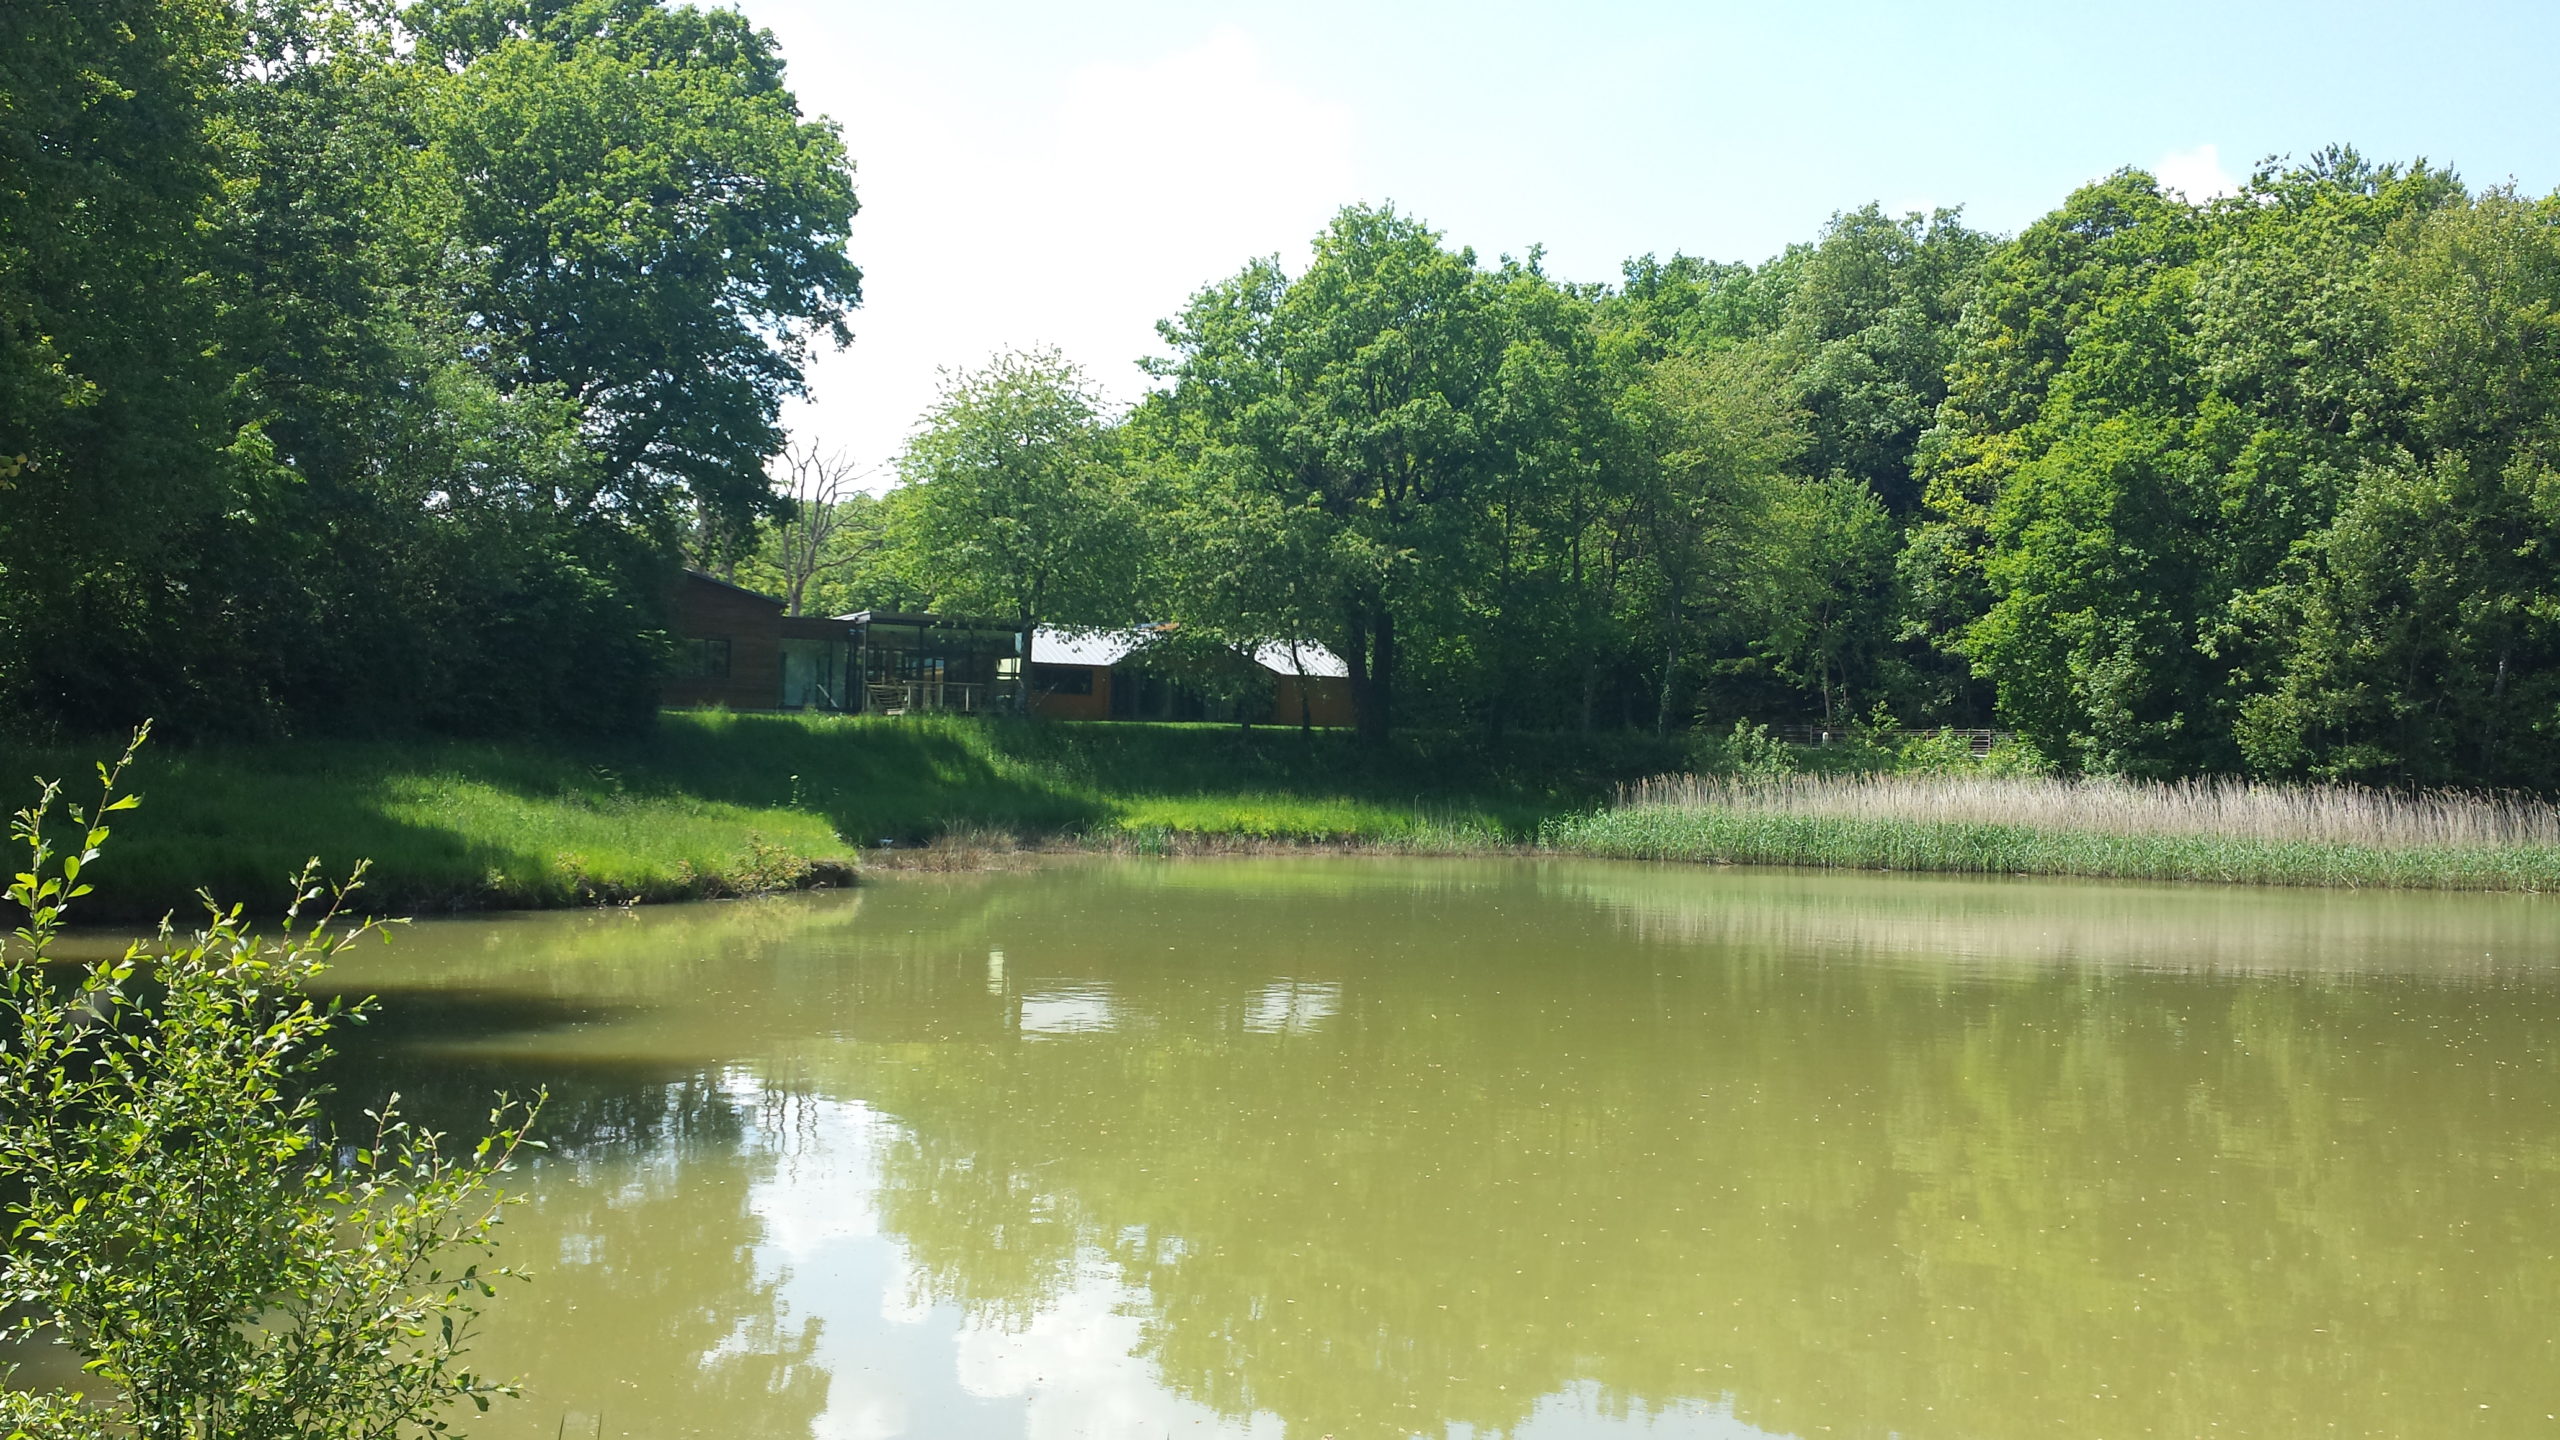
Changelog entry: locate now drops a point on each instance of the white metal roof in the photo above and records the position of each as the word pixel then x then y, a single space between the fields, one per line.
pixel 1083 647
pixel 1304 657
pixel 1110 647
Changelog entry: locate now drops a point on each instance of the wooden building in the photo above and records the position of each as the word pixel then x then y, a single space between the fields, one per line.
pixel 728 646
pixel 1091 675
pixel 735 649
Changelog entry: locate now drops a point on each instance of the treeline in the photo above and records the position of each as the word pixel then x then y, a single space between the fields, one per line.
pixel 365 370
pixel 2264 485
pixel 360 365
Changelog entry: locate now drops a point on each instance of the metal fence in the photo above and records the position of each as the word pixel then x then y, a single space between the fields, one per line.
pixel 1980 740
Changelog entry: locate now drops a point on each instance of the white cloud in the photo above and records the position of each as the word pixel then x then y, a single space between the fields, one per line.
pixel 2196 174
pixel 1077 1368
pixel 1076 215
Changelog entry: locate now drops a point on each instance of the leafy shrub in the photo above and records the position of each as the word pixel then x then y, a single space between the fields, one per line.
pixel 1935 752
pixel 182 1222
pixel 1749 750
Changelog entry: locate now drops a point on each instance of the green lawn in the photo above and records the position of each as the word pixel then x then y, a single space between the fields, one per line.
pixel 713 803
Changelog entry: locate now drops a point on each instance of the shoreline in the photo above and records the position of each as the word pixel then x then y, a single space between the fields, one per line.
pixel 713 805
pixel 2174 860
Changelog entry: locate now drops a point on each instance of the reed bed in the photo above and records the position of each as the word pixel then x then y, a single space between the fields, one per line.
pixel 2208 829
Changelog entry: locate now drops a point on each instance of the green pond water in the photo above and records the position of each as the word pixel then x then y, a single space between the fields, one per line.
pixel 1351 1148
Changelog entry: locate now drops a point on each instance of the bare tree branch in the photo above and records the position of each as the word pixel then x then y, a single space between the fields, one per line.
pixel 823 487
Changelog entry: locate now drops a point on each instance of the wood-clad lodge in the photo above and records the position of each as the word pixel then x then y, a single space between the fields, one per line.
pixel 737 650
pixel 1085 675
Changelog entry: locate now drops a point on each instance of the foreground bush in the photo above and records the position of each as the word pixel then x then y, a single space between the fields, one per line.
pixel 219 1265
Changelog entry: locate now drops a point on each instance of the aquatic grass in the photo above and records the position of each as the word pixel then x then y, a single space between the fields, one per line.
pixel 2216 830
pixel 718 804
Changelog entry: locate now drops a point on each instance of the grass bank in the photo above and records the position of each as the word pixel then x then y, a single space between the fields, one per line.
pixel 713 804
pixel 716 804
pixel 2019 825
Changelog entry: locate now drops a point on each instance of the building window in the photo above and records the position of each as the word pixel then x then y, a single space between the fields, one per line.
pixel 702 660
pixel 1063 679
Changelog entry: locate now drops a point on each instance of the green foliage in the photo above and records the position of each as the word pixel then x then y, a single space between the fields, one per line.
pixel 1869 330
pixel 638 171
pixel 221 1265
pixel 2254 485
pixel 1352 406
pixel 1749 750
pixel 445 330
pixel 713 804
pixel 1011 507
pixel 400 347
pixel 2418 636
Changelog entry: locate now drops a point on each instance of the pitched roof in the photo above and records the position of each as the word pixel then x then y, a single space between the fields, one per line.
pixel 708 578
pixel 1084 647
pixel 1103 648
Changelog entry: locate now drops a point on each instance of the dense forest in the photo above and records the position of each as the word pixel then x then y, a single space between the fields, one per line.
pixel 362 372
pixel 2264 485
pixel 359 371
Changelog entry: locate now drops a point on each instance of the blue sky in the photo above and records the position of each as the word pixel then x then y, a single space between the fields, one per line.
pixel 1065 175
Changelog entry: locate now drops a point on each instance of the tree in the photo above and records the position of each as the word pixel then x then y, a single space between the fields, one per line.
pixel 182 1222
pixel 2417 638
pixel 832 531
pixel 1350 405
pixel 1717 434
pixel 653 230
pixel 1831 568
pixel 1011 506
pixel 111 402
pixel 358 365
pixel 2032 297
pixel 1868 331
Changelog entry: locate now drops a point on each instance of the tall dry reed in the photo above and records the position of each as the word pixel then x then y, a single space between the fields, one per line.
pixel 2217 808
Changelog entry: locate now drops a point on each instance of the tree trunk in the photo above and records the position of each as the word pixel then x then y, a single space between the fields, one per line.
pixel 1670 677
pixel 1372 663
pixel 1023 642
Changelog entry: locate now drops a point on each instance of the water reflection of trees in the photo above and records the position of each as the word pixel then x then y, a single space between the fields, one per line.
pixel 1386 1149
pixel 655 1219
pixel 1873 1198
pixel 638 1223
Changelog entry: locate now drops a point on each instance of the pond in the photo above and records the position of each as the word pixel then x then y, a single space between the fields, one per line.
pixel 1357 1148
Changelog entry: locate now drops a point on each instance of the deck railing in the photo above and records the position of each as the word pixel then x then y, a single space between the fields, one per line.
pixel 914 697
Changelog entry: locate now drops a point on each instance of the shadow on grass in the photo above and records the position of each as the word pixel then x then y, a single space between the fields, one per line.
pixel 452 824
pixel 904 780
pixel 911 779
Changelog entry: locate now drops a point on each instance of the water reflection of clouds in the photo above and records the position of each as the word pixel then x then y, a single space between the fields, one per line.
pixel 1290 1006
pixel 900 1363
pixel 1583 1408
pixel 1074 1010
pixel 1077 1369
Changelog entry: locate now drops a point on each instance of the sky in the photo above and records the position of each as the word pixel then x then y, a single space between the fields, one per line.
pixel 1036 174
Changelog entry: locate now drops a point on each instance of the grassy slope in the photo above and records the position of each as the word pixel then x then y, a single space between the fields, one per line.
pixel 711 802
pixel 714 803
